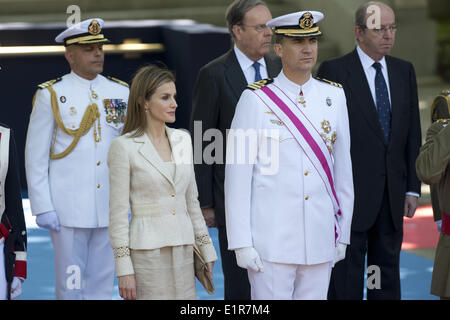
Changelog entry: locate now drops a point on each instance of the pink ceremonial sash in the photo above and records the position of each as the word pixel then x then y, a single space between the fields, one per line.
pixel 308 138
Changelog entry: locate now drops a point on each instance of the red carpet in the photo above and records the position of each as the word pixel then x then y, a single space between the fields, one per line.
pixel 420 232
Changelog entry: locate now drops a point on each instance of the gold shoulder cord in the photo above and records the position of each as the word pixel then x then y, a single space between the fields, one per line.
pixel 90 115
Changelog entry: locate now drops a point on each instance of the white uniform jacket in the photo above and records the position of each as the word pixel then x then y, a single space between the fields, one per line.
pixel 284 210
pixel 76 186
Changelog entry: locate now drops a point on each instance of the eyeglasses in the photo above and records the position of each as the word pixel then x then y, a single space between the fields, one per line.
pixel 258 28
pixel 383 30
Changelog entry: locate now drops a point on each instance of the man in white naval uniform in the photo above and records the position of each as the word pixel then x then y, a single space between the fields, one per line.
pixel 72 124
pixel 290 225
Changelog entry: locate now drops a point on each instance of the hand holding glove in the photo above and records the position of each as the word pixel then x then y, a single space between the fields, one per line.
pixel 248 258
pixel 48 220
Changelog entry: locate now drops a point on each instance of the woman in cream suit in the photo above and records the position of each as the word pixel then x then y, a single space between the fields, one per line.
pixel 151 171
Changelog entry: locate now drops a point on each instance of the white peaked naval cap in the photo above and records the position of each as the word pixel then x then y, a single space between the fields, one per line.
pixel 298 24
pixel 86 32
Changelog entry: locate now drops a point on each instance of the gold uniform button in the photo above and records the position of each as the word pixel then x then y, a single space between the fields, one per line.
pixel 306 198
pixel 73 126
pixel 98 186
pixel 173 212
pixel 172 195
pixel 98 163
pixel 306 172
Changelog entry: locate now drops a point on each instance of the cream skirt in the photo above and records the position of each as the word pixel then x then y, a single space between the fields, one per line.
pixel 165 274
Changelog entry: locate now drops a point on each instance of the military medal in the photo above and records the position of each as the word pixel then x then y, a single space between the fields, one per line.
pixel 302 99
pixel 93 94
pixel 62 99
pixel 326 126
pixel 333 137
pixel 73 111
pixel 278 122
pixel 328 101
pixel 115 110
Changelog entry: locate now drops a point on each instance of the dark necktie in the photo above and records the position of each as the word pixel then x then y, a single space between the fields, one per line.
pixel 382 100
pixel 257 73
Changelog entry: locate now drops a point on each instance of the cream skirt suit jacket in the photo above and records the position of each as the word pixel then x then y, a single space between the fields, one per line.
pixel 165 211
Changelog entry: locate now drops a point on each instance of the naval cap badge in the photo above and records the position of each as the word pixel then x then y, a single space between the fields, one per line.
pixel 94 28
pixel 306 21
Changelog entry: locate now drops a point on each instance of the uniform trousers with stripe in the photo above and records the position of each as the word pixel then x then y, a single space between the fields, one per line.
pixel 281 281
pixel 84 264
pixel 3 283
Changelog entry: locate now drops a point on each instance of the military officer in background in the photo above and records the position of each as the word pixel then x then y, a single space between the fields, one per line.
pixel 72 124
pixel 432 166
pixel 289 223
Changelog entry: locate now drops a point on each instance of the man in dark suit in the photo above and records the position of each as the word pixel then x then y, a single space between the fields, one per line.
pixel 383 111
pixel 219 86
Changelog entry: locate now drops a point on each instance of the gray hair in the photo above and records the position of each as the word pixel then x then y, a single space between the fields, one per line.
pixel 236 11
pixel 361 12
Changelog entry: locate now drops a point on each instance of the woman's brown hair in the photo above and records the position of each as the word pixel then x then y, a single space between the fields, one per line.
pixel 145 82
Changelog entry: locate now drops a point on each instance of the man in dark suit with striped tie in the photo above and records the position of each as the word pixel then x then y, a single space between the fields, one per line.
pixel 383 111
pixel 219 86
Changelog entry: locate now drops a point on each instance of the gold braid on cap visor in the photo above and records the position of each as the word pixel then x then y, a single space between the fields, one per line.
pixel 298 31
pixel 86 39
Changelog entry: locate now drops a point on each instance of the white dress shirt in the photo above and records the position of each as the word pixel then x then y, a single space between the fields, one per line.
pixel 247 66
pixel 370 72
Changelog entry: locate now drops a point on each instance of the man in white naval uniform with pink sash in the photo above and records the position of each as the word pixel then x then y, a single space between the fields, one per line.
pixel 289 205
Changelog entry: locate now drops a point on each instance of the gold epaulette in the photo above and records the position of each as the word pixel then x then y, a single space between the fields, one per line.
pixel 48 83
pixel 118 81
pixel 329 82
pixel 259 84
pixel 446 92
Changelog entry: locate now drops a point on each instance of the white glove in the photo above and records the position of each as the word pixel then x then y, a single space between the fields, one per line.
pixel 439 224
pixel 16 288
pixel 339 253
pixel 48 220
pixel 248 258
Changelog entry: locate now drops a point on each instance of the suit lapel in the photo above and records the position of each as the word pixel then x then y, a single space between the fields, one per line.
pixel 273 66
pixel 395 88
pixel 234 75
pixel 357 83
pixel 177 144
pixel 148 151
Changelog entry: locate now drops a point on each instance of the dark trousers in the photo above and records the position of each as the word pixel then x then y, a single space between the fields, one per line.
pixel 382 244
pixel 237 286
